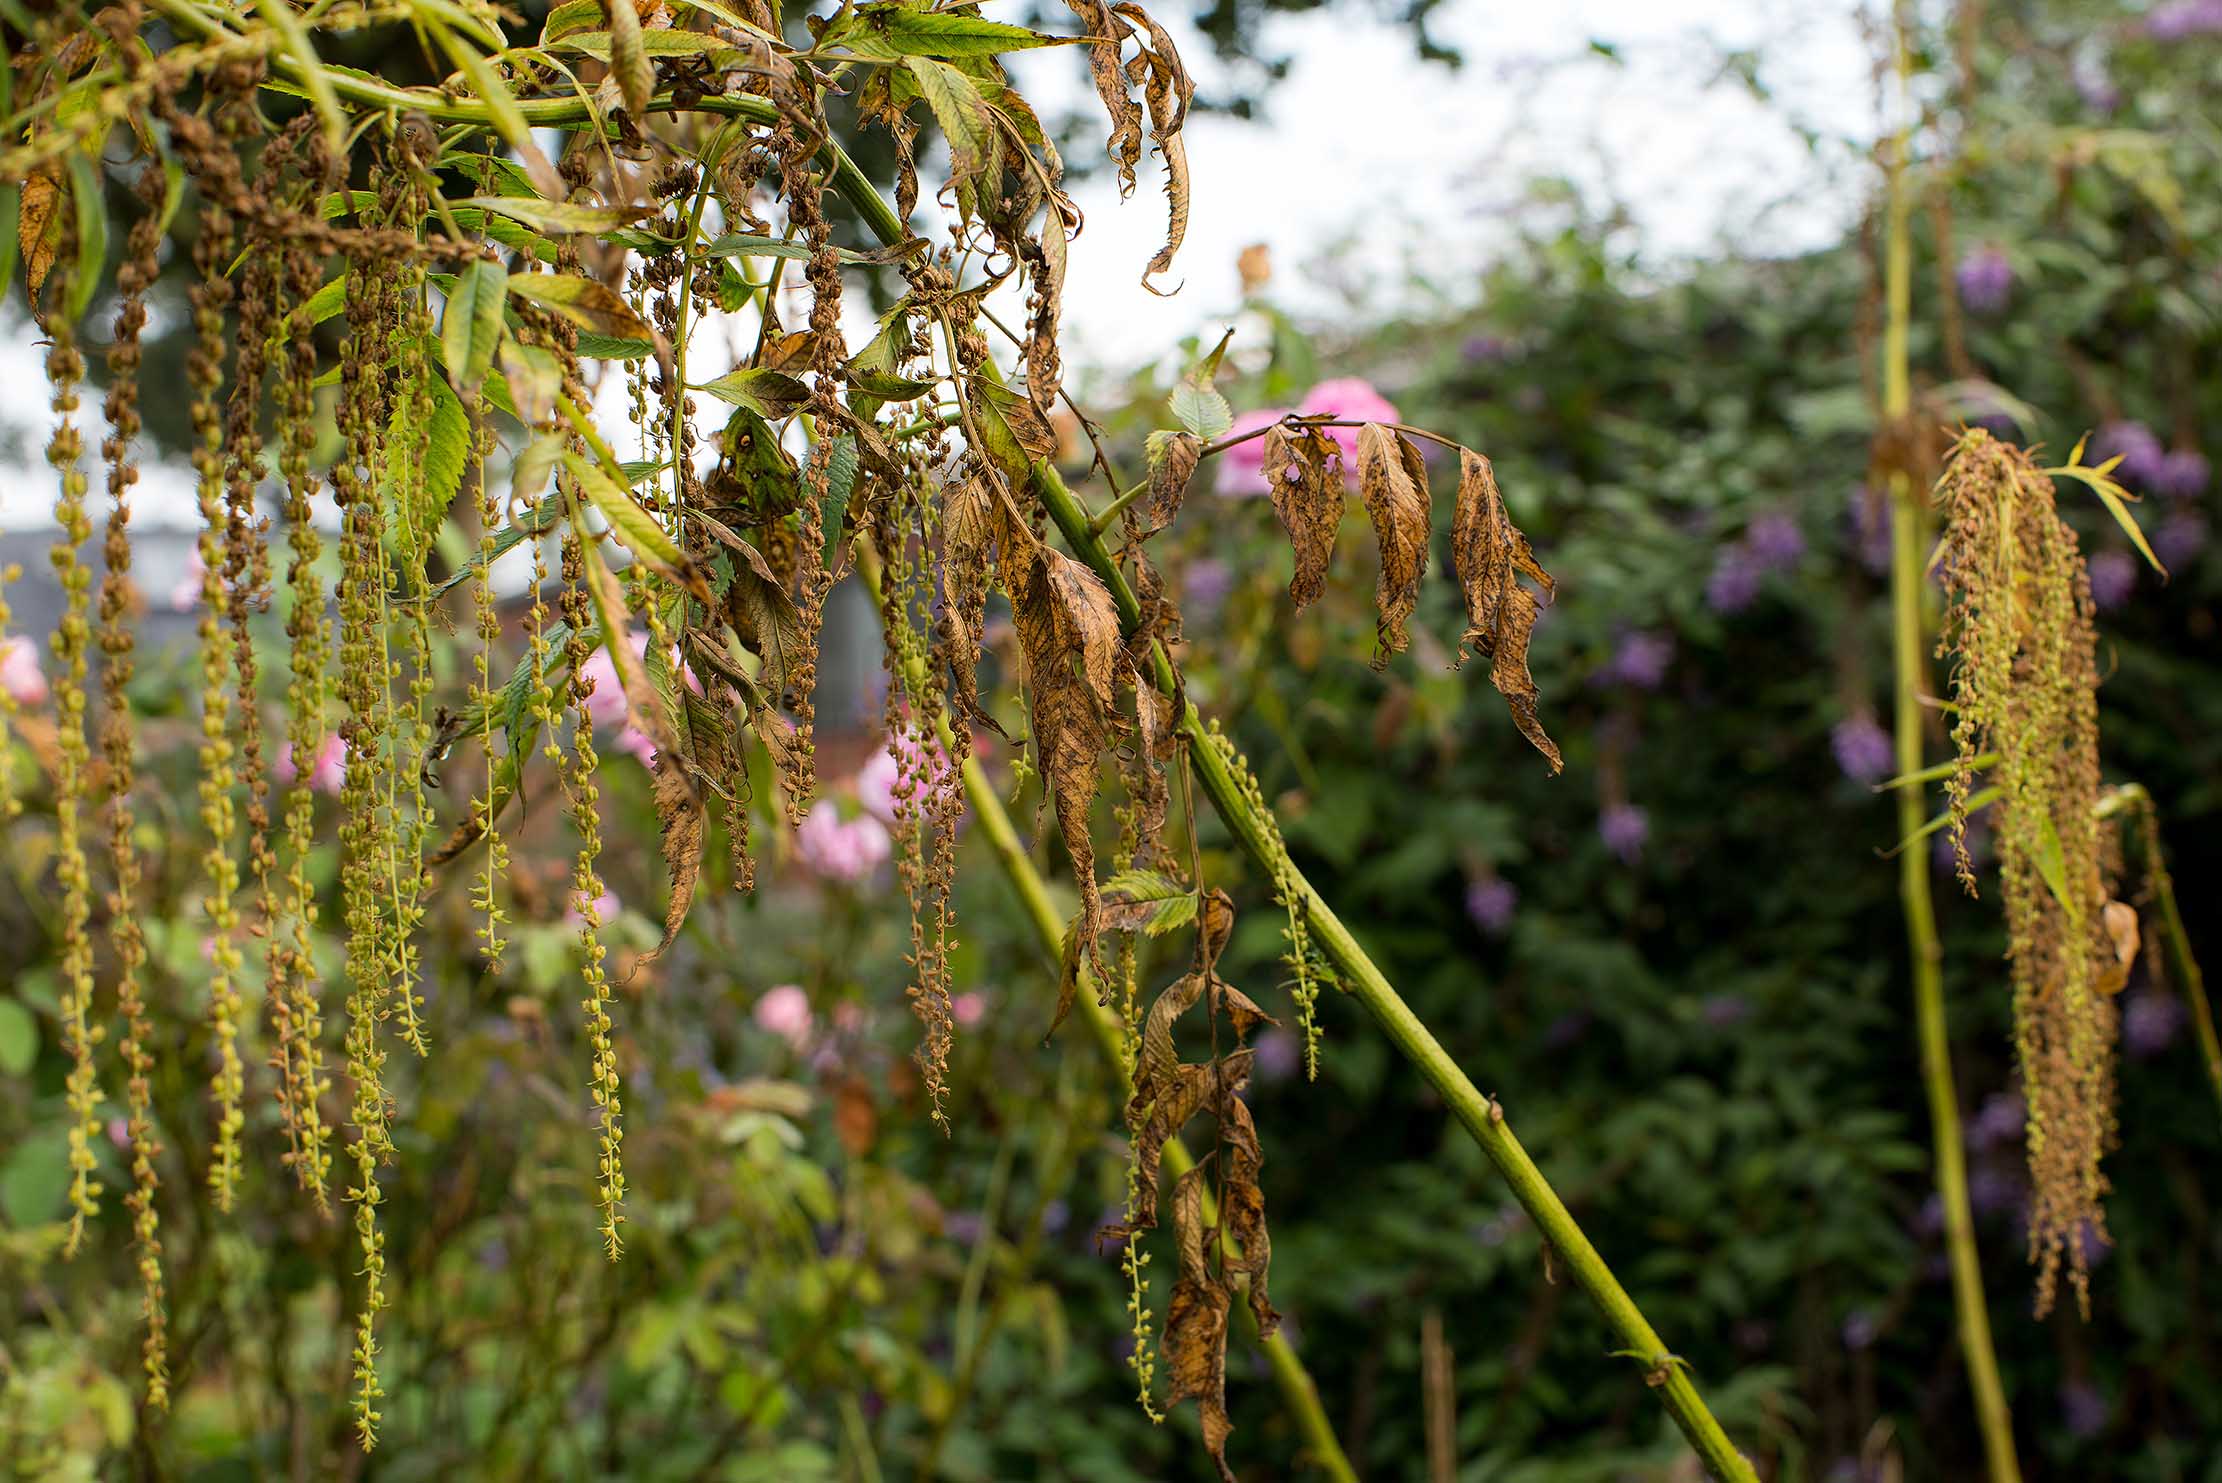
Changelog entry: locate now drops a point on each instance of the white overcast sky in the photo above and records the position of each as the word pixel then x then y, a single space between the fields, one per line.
pixel 1401 165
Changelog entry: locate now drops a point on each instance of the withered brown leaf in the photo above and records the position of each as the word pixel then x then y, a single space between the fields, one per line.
pixel 1196 1325
pixel 680 812
pixel 1106 31
pixel 38 226
pixel 1173 458
pixel 1310 503
pixel 1068 633
pixel 1392 480
pixel 1490 555
pixel 1168 90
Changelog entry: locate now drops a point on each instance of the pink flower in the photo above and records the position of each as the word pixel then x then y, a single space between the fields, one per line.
pixel 876 779
pixel 838 849
pixel 1242 467
pixel 186 595
pixel 968 1009
pixel 606 908
pixel 1353 399
pixel 328 775
pixel 20 674
pixel 606 705
pixel 638 742
pixel 785 1012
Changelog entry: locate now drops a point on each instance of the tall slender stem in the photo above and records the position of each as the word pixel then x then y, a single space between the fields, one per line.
pixel 1297 1388
pixel 1908 519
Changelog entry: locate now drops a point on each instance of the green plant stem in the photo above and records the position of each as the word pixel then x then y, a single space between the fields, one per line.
pixel 1297 1388
pixel 2188 976
pixel 1908 641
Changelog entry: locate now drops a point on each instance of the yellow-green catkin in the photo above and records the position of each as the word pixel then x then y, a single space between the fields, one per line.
pixel 289 950
pixel 364 842
pixel 1306 971
pixel 604 1082
pixel 404 801
pixel 486 886
pixel 118 741
pixel 219 870
pixel 65 368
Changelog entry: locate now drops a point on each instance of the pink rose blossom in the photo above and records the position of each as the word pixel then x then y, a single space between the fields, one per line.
pixel 637 742
pixel 876 779
pixel 838 849
pixel 606 908
pixel 20 673
pixel 328 775
pixel 968 1009
pixel 186 595
pixel 1353 399
pixel 785 1011
pixel 1242 467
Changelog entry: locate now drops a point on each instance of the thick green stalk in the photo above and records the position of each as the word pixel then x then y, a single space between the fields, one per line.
pixel 1297 1387
pixel 1908 519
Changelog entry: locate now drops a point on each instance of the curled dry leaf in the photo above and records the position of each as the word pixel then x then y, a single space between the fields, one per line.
pixel 1168 90
pixel 1173 459
pixel 1106 31
pixel 967 540
pixel 1068 633
pixel 2120 919
pixel 1490 555
pixel 1304 468
pixel 1196 1325
pixel 1392 480
pixel 679 810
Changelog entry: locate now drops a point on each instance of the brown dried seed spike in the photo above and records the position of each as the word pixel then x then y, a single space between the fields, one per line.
pixel 1490 555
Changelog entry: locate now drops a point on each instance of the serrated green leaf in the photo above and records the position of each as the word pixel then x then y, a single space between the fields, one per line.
pixel 635 529
pixel 559 216
pixel 90 202
pixel 471 323
pixel 768 393
pixel 960 111
pixel 890 30
pixel 1201 409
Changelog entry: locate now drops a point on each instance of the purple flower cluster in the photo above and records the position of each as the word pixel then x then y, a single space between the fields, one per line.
pixel 1639 661
pixel 1624 827
pixel 2184 18
pixel 2113 578
pixel 1491 902
pixel 1985 279
pixel 1870 514
pixel 2150 1023
pixel 2184 474
pixel 2144 461
pixel 2179 539
pixel 1771 543
pixel 1864 751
